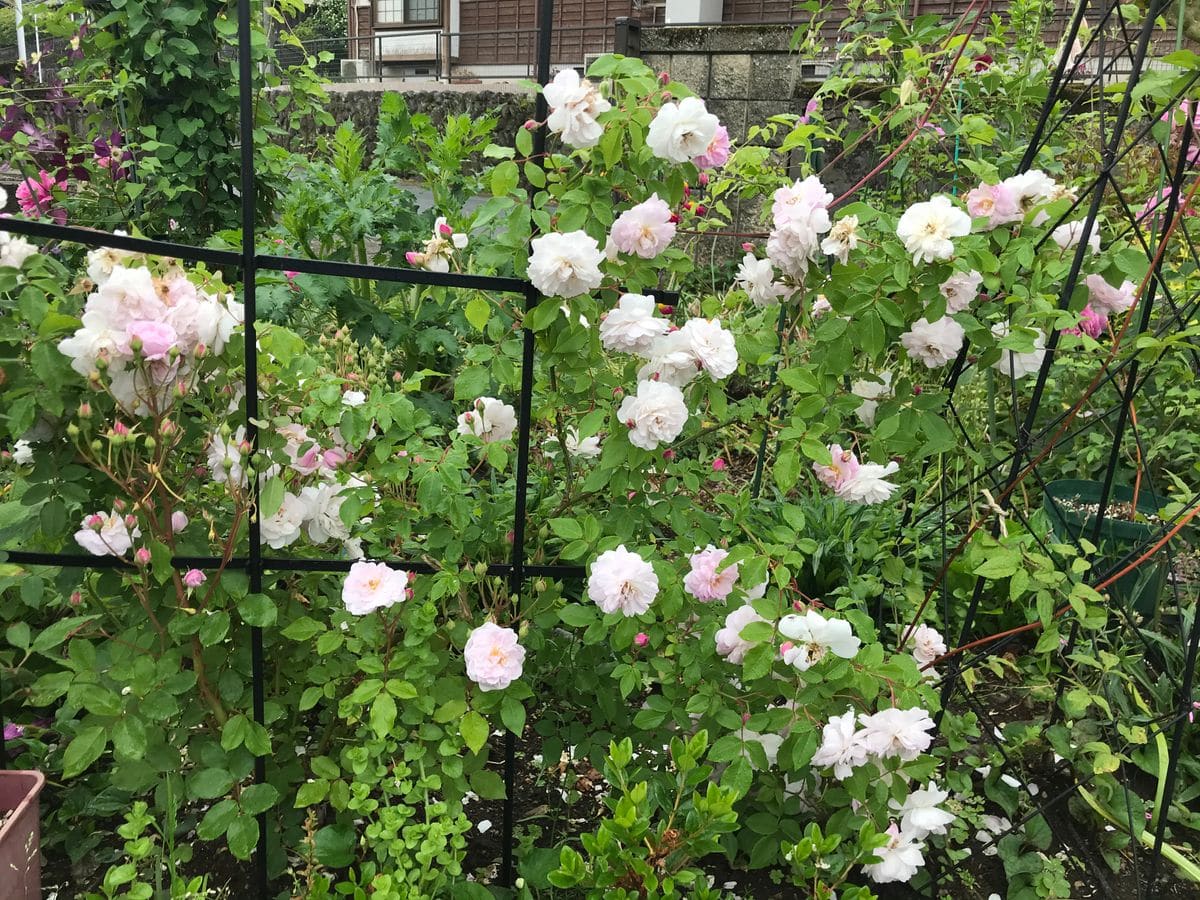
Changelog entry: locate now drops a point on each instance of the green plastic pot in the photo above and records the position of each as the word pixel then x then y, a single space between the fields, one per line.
pixel 1140 589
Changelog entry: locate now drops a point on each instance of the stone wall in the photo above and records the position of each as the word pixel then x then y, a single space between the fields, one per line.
pixel 359 104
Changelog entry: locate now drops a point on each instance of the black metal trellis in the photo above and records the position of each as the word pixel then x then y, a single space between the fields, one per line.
pixel 248 262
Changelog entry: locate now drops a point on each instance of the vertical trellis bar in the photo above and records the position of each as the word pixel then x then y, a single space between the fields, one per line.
pixel 249 283
pixel 516 578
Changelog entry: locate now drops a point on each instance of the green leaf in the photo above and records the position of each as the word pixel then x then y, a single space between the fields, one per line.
pixel 84 750
pixel 233 734
pixel 512 714
pixel 757 661
pixel 478 312
pixel 504 178
pixel 474 731
pixel 214 627
pixel 129 737
pixel 311 793
pixel 1001 563
pixel 383 715
pixel 217 820
pixel 334 845
pixel 258 798
pixel 271 498
pixel 209 784
pixel 53 635
pixel 303 629
pixel 567 529
pixel 487 784
pixel 257 610
pixel 786 470
pixel 242 836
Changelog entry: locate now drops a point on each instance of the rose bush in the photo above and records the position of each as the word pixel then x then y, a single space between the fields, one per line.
pixel 763 647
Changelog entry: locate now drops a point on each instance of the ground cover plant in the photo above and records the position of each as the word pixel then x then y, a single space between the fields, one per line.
pixel 748 679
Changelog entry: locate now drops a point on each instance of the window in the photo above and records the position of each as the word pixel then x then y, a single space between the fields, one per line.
pixel 408 12
pixel 421 10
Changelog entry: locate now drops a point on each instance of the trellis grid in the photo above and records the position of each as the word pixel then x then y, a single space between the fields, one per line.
pixel 1035 439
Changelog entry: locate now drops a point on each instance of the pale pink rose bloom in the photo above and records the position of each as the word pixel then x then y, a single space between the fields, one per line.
pixel 494 658
pixel 1106 299
pixel 843 467
pixel 622 580
pixel 960 290
pixel 704 582
pixel 717 153
pixel 928 645
pixel 193 578
pixel 157 338
pixel 107 535
pixel 995 202
pixel 370 586
pixel 730 643
pixel 841 747
pixel 897 732
pixel 899 859
pixel 632 326
pixel 645 229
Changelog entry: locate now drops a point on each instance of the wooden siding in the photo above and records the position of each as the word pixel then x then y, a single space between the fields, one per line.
pixel 504 32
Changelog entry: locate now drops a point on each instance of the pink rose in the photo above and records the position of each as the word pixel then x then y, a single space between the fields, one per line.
pixel 704 582
pixel 717 152
pixel 493 657
pixel 193 578
pixel 645 229
pixel 157 338
pixel 995 202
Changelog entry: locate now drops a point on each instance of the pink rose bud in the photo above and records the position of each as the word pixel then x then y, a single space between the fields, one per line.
pixel 669 455
pixel 745 718
pixel 414 258
pixel 75 599
pixel 244 447
pixel 703 179
pixel 917 390
pixel 445 229
pixel 95 521
pixel 748 247
pixel 131 521
pixel 408 593
pixel 641 639
pixel 201 351
pixel 798 605
pixel 119 505
pixel 530 125
pixel 141 556
pixel 397 377
pixel 666 95
pixel 664 78
pixel 179 521
pixel 120 428
pixel 289 274
pixel 509 537
pixel 631 495
pixel 718 464
pixel 402 453
pixel 618 392
pixel 85 410
pixel 193 578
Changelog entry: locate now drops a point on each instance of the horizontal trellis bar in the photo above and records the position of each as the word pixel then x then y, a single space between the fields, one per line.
pixel 231 258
